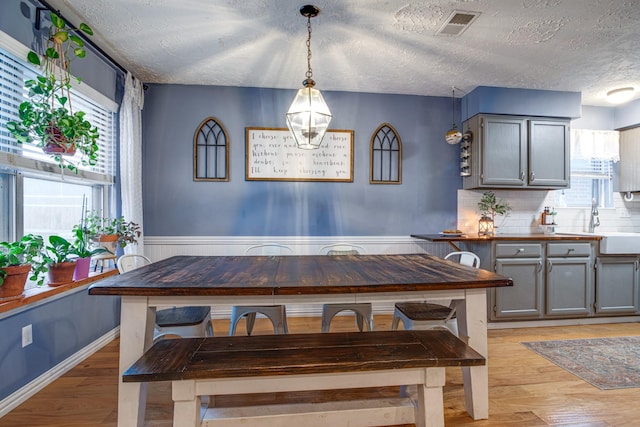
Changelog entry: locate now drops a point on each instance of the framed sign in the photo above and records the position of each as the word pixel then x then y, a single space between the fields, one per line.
pixel 272 155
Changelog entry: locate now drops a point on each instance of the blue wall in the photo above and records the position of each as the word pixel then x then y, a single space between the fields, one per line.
pixel 60 328
pixel 63 326
pixel 176 205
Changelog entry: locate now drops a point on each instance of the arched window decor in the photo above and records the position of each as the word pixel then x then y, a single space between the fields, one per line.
pixel 386 156
pixel 211 151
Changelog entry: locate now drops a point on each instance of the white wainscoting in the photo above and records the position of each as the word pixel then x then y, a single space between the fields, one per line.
pixel 161 247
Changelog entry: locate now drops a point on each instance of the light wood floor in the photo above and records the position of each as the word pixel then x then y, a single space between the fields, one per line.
pixel 525 389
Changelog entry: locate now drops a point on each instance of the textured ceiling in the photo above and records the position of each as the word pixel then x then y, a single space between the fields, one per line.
pixel 379 46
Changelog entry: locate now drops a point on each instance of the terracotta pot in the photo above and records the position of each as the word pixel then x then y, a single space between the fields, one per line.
pixel 57 143
pixel 14 282
pixel 83 265
pixel 61 273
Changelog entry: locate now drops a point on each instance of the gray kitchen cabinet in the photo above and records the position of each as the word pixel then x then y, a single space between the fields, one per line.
pixel 550 280
pixel 522 262
pixel 569 279
pixel 510 151
pixel 617 284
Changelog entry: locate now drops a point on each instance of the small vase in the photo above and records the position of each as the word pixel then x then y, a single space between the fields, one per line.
pixel 14 282
pixel 83 265
pixel 61 273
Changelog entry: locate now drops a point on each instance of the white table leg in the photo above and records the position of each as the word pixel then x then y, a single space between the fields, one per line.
pixel 136 334
pixel 472 323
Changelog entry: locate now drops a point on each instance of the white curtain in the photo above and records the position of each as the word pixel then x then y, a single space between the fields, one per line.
pixel 131 156
pixel 595 144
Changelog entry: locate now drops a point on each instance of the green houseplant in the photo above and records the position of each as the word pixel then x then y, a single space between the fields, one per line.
pixel 117 230
pixel 490 206
pixel 47 118
pixel 83 249
pixel 60 256
pixel 17 259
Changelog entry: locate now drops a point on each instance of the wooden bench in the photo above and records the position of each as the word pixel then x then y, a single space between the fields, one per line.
pixel 318 361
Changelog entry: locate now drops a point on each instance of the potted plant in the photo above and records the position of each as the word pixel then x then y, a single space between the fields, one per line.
pixel 60 256
pixel 112 232
pixel 47 118
pixel 17 259
pixel 82 248
pixel 490 206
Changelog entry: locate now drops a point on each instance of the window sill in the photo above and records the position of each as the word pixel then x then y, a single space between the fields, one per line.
pixel 40 293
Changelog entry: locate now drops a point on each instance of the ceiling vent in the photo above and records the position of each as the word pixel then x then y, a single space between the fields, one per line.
pixel 457 23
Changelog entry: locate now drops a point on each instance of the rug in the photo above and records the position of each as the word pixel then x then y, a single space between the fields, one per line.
pixel 607 363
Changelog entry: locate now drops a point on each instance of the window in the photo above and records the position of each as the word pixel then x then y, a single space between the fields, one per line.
pixel 35 196
pixel 593 154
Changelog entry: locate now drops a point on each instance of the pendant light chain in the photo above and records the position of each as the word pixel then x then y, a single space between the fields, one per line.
pixel 309 73
pixel 453 106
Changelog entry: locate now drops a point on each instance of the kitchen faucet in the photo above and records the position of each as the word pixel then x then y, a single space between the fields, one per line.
pixel 595 219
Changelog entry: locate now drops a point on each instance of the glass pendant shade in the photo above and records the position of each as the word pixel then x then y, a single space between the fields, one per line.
pixel 308 118
pixel 453 136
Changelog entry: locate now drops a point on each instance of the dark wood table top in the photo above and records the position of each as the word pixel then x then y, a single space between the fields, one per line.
pixel 296 275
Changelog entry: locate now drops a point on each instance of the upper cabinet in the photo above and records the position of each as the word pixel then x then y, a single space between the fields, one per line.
pixel 518 152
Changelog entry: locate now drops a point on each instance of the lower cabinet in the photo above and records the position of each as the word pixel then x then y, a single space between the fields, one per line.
pixel 569 287
pixel 553 279
pixel 524 299
pixel 522 262
pixel 617 283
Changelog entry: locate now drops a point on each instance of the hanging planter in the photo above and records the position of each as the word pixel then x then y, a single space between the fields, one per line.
pixel 47 119
pixel 57 144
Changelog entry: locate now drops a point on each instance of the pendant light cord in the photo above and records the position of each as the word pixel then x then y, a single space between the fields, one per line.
pixel 453 106
pixel 309 73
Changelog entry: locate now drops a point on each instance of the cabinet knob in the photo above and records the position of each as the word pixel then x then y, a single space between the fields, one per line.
pixel 532 176
pixel 520 250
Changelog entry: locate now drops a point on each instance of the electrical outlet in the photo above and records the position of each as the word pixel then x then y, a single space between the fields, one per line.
pixel 27 336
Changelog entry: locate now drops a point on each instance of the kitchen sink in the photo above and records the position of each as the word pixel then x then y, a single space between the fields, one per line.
pixel 616 242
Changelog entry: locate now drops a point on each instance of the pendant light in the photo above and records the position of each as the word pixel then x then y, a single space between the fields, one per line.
pixel 308 117
pixel 453 135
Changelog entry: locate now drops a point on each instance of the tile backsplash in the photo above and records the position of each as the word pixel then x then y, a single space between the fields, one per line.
pixel 527 207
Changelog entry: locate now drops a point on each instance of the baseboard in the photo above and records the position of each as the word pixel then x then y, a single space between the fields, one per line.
pixel 27 391
pixel 561 322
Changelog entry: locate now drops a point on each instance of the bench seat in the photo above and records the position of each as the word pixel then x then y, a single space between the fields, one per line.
pixel 295 362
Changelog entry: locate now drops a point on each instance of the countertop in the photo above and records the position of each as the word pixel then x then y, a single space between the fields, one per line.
pixel 504 237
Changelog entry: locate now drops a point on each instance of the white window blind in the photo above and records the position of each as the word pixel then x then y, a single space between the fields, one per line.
pixel 13 72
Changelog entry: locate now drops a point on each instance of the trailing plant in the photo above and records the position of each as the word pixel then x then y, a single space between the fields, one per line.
pixel 27 250
pixel 490 206
pixel 47 118
pixel 128 232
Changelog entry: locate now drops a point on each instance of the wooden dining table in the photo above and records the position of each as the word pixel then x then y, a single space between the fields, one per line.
pixel 305 279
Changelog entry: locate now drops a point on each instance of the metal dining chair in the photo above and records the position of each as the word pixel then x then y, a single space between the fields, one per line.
pixel 363 311
pixel 426 315
pixel 277 314
pixel 175 322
